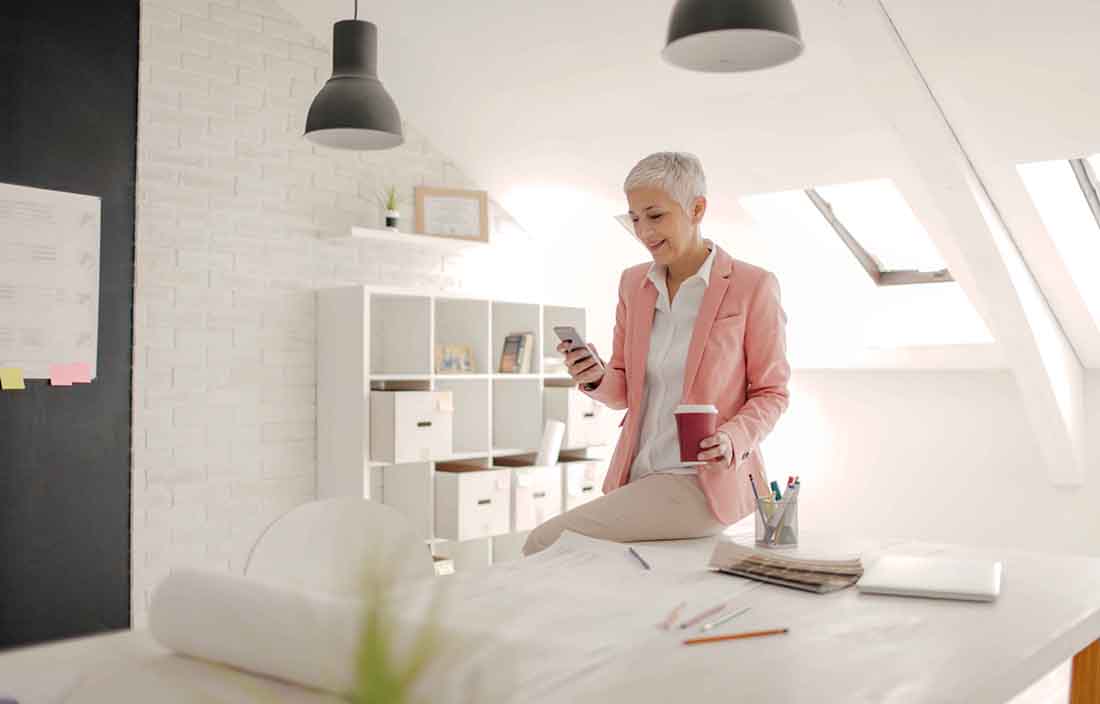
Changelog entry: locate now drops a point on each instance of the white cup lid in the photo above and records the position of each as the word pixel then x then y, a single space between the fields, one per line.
pixel 695 408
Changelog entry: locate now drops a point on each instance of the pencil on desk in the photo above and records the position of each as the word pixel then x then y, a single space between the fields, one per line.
pixel 671 618
pixel 719 621
pixel 704 616
pixel 734 636
pixel 640 558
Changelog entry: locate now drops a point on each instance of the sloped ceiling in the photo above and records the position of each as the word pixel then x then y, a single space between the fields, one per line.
pixel 548 105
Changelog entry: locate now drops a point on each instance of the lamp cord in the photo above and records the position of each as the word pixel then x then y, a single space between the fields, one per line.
pixel 356 9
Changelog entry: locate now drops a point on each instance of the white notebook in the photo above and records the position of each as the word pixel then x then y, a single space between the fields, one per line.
pixel 933 577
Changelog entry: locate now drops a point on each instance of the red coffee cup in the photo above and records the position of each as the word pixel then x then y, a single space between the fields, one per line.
pixel 693 423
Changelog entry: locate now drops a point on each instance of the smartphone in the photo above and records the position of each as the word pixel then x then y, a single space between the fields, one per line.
pixel 569 335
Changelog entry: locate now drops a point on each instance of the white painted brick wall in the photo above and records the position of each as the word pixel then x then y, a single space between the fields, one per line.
pixel 233 210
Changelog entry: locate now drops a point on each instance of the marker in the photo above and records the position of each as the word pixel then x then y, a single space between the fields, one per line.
pixel 775 490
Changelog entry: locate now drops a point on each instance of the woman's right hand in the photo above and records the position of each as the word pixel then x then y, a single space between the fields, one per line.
pixel 584 364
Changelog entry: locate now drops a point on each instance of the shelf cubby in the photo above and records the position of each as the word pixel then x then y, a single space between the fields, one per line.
pixel 517 414
pixel 471 418
pixel 400 330
pixel 461 321
pixel 511 318
pixel 410 489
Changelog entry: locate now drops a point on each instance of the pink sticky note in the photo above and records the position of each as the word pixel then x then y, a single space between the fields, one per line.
pixel 60 375
pixel 80 373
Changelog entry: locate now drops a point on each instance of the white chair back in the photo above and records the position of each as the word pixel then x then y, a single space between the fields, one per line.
pixel 326 545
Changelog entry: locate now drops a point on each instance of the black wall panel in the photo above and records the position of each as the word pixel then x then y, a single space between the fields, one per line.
pixel 68 121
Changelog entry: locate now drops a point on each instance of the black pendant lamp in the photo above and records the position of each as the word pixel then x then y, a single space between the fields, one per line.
pixel 723 36
pixel 353 110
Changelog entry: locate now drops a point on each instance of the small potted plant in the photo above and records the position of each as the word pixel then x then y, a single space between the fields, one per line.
pixel 390 202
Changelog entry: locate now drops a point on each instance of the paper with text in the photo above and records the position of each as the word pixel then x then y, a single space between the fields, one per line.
pixel 49 279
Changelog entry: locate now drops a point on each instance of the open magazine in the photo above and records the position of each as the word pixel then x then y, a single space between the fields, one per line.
pixel 811 573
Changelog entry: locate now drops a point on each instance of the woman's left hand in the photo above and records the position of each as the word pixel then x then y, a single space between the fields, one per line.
pixel 717 449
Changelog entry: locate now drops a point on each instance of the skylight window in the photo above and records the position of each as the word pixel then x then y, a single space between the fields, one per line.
pixel 1065 194
pixel 835 311
pixel 881 231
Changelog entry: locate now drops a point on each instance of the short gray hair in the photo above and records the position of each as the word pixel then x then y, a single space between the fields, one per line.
pixel 678 174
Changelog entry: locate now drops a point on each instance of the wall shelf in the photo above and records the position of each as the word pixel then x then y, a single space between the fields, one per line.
pixel 383 235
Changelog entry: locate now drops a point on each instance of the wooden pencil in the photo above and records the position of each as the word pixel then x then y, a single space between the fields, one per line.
pixel 734 636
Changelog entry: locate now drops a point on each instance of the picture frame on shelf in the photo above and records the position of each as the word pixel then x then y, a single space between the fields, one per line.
pixel 454 359
pixel 452 213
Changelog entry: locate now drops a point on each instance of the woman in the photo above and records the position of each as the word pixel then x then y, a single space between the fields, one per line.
pixel 696 327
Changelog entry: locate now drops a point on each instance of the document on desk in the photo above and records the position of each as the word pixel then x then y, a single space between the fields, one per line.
pixel 564 613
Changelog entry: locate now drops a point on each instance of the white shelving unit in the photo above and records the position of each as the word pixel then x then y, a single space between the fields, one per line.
pixel 370 338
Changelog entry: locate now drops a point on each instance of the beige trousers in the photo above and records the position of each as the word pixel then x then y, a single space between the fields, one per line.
pixel 655 507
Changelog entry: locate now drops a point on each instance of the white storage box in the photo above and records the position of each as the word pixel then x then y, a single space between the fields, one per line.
pixel 410 426
pixel 582 481
pixel 443 566
pixel 580 414
pixel 536 495
pixel 475 504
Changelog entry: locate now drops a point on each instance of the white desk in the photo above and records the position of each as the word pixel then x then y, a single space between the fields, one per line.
pixel 842 647
pixel 848 647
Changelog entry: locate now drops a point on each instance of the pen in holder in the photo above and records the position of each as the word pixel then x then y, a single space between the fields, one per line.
pixel 777 521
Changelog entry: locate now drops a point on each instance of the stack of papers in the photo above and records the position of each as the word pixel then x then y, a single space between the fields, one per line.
pixel 812 574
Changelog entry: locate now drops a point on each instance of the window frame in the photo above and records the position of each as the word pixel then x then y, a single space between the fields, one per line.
pixel 1090 187
pixel 881 277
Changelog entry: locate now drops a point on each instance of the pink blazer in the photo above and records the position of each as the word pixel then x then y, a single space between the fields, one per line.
pixel 737 360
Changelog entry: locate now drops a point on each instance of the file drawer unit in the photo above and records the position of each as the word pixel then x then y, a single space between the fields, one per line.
pixel 536 495
pixel 580 414
pixel 410 426
pixel 582 481
pixel 474 504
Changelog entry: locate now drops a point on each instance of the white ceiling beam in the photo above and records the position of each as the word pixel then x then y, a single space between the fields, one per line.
pixel 973 238
pixel 986 140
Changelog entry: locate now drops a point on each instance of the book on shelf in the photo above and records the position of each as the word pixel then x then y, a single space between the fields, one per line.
pixel 515 358
pixel 528 352
pixel 813 573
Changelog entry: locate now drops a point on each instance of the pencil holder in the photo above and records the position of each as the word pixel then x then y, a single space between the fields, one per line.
pixel 777 522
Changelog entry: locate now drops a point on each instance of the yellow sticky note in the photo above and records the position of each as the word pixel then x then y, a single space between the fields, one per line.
pixel 11 378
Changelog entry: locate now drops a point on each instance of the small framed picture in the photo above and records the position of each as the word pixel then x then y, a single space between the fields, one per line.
pixel 452 212
pixel 454 359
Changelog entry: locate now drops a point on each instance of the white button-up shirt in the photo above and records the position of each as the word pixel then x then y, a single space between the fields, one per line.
pixel 673 324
